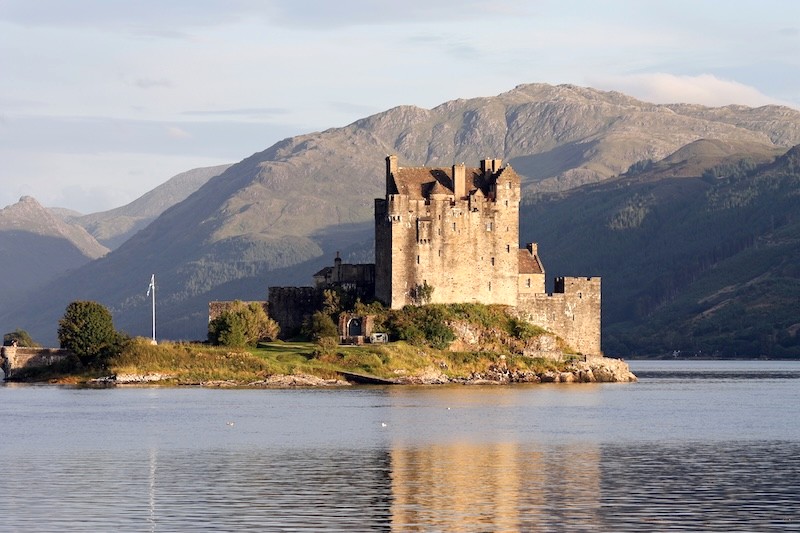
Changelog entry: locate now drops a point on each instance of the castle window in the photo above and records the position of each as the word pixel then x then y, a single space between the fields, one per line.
pixel 508 185
pixel 528 282
pixel 454 226
pixel 508 248
pixel 488 226
pixel 417 259
pixel 492 261
pixel 506 203
pixel 490 286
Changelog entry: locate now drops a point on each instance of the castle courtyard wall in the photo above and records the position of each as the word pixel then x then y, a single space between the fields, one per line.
pixel 572 312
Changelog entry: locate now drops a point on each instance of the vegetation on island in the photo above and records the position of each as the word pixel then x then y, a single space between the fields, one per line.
pixel 423 341
pixel 87 330
pixel 242 324
pixel 19 337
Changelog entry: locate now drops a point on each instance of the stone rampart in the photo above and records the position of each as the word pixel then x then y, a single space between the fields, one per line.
pixel 15 358
pixel 572 312
pixel 289 307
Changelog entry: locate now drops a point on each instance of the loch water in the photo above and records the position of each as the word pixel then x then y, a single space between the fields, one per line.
pixel 693 446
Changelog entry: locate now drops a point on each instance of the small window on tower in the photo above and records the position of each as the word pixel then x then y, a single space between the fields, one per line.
pixel 492 261
pixel 528 282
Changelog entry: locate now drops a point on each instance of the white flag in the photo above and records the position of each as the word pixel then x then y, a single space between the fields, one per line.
pixel 152 285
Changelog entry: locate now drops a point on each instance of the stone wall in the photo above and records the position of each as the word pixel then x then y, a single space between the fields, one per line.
pixel 289 307
pixel 572 312
pixel 466 248
pixel 15 358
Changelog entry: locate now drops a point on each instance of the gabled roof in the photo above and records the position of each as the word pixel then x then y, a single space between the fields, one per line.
pixel 421 182
pixel 529 263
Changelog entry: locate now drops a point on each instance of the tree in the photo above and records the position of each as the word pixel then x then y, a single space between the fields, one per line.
pixel 21 337
pixel 87 330
pixel 242 325
pixel 320 325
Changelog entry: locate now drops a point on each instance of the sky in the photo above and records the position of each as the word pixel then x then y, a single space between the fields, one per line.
pixel 103 100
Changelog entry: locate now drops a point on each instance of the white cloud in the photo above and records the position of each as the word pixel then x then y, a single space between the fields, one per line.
pixel 704 89
pixel 175 132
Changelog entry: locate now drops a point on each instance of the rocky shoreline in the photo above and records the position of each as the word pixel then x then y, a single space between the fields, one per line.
pixel 593 370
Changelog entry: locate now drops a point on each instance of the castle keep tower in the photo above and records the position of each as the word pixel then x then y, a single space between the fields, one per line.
pixel 455 229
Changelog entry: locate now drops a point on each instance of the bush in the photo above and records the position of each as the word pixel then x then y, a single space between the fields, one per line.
pixel 21 337
pixel 422 325
pixel 320 325
pixel 242 325
pixel 87 330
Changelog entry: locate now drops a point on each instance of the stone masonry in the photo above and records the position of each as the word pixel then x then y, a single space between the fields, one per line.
pixel 457 230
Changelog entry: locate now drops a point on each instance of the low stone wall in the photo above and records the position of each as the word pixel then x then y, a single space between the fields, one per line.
pixel 15 358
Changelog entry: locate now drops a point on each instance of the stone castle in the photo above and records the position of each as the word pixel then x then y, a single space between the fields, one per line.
pixel 451 235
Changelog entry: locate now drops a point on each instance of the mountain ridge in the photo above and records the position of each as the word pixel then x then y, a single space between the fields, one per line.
pixel 273 217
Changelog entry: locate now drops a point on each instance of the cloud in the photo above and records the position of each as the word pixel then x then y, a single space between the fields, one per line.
pixel 704 89
pixel 175 132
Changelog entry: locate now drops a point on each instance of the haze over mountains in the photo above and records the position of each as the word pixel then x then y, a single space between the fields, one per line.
pixel 278 215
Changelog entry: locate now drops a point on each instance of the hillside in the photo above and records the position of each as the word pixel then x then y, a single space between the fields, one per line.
pixel 704 264
pixel 113 227
pixel 37 247
pixel 278 215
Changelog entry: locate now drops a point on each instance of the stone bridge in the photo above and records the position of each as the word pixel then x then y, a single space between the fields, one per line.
pixel 15 358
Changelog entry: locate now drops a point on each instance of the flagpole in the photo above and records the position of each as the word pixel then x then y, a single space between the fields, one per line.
pixel 152 288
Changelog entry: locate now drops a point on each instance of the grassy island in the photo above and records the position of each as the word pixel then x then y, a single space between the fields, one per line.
pixel 456 343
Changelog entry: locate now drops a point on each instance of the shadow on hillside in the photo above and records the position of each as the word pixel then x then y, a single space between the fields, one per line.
pixel 538 167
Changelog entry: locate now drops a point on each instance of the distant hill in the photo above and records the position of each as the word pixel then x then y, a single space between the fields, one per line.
pixel 278 215
pixel 694 263
pixel 37 247
pixel 113 227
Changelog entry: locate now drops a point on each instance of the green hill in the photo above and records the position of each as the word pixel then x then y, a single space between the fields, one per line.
pixel 698 265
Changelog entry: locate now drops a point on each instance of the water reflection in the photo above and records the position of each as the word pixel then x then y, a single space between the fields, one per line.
pixel 456 487
pixel 499 487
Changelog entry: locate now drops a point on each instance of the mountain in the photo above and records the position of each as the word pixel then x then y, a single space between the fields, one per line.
pixel 37 246
pixel 697 263
pixel 113 227
pixel 278 215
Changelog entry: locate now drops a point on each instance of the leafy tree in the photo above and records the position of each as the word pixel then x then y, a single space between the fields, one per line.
pixel 242 325
pixel 21 337
pixel 87 330
pixel 320 325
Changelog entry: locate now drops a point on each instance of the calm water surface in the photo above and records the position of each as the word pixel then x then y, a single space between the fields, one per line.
pixel 694 446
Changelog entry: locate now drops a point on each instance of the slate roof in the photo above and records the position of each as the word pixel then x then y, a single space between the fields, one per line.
pixel 529 263
pixel 420 182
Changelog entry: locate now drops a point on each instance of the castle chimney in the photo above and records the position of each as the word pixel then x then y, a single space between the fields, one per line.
pixel 459 181
pixel 496 165
pixel 391 169
pixel 533 248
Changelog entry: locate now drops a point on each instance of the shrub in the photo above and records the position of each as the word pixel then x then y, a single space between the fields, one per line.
pixel 242 325
pixel 320 325
pixel 21 337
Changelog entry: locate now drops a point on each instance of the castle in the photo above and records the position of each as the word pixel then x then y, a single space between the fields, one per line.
pixel 451 235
